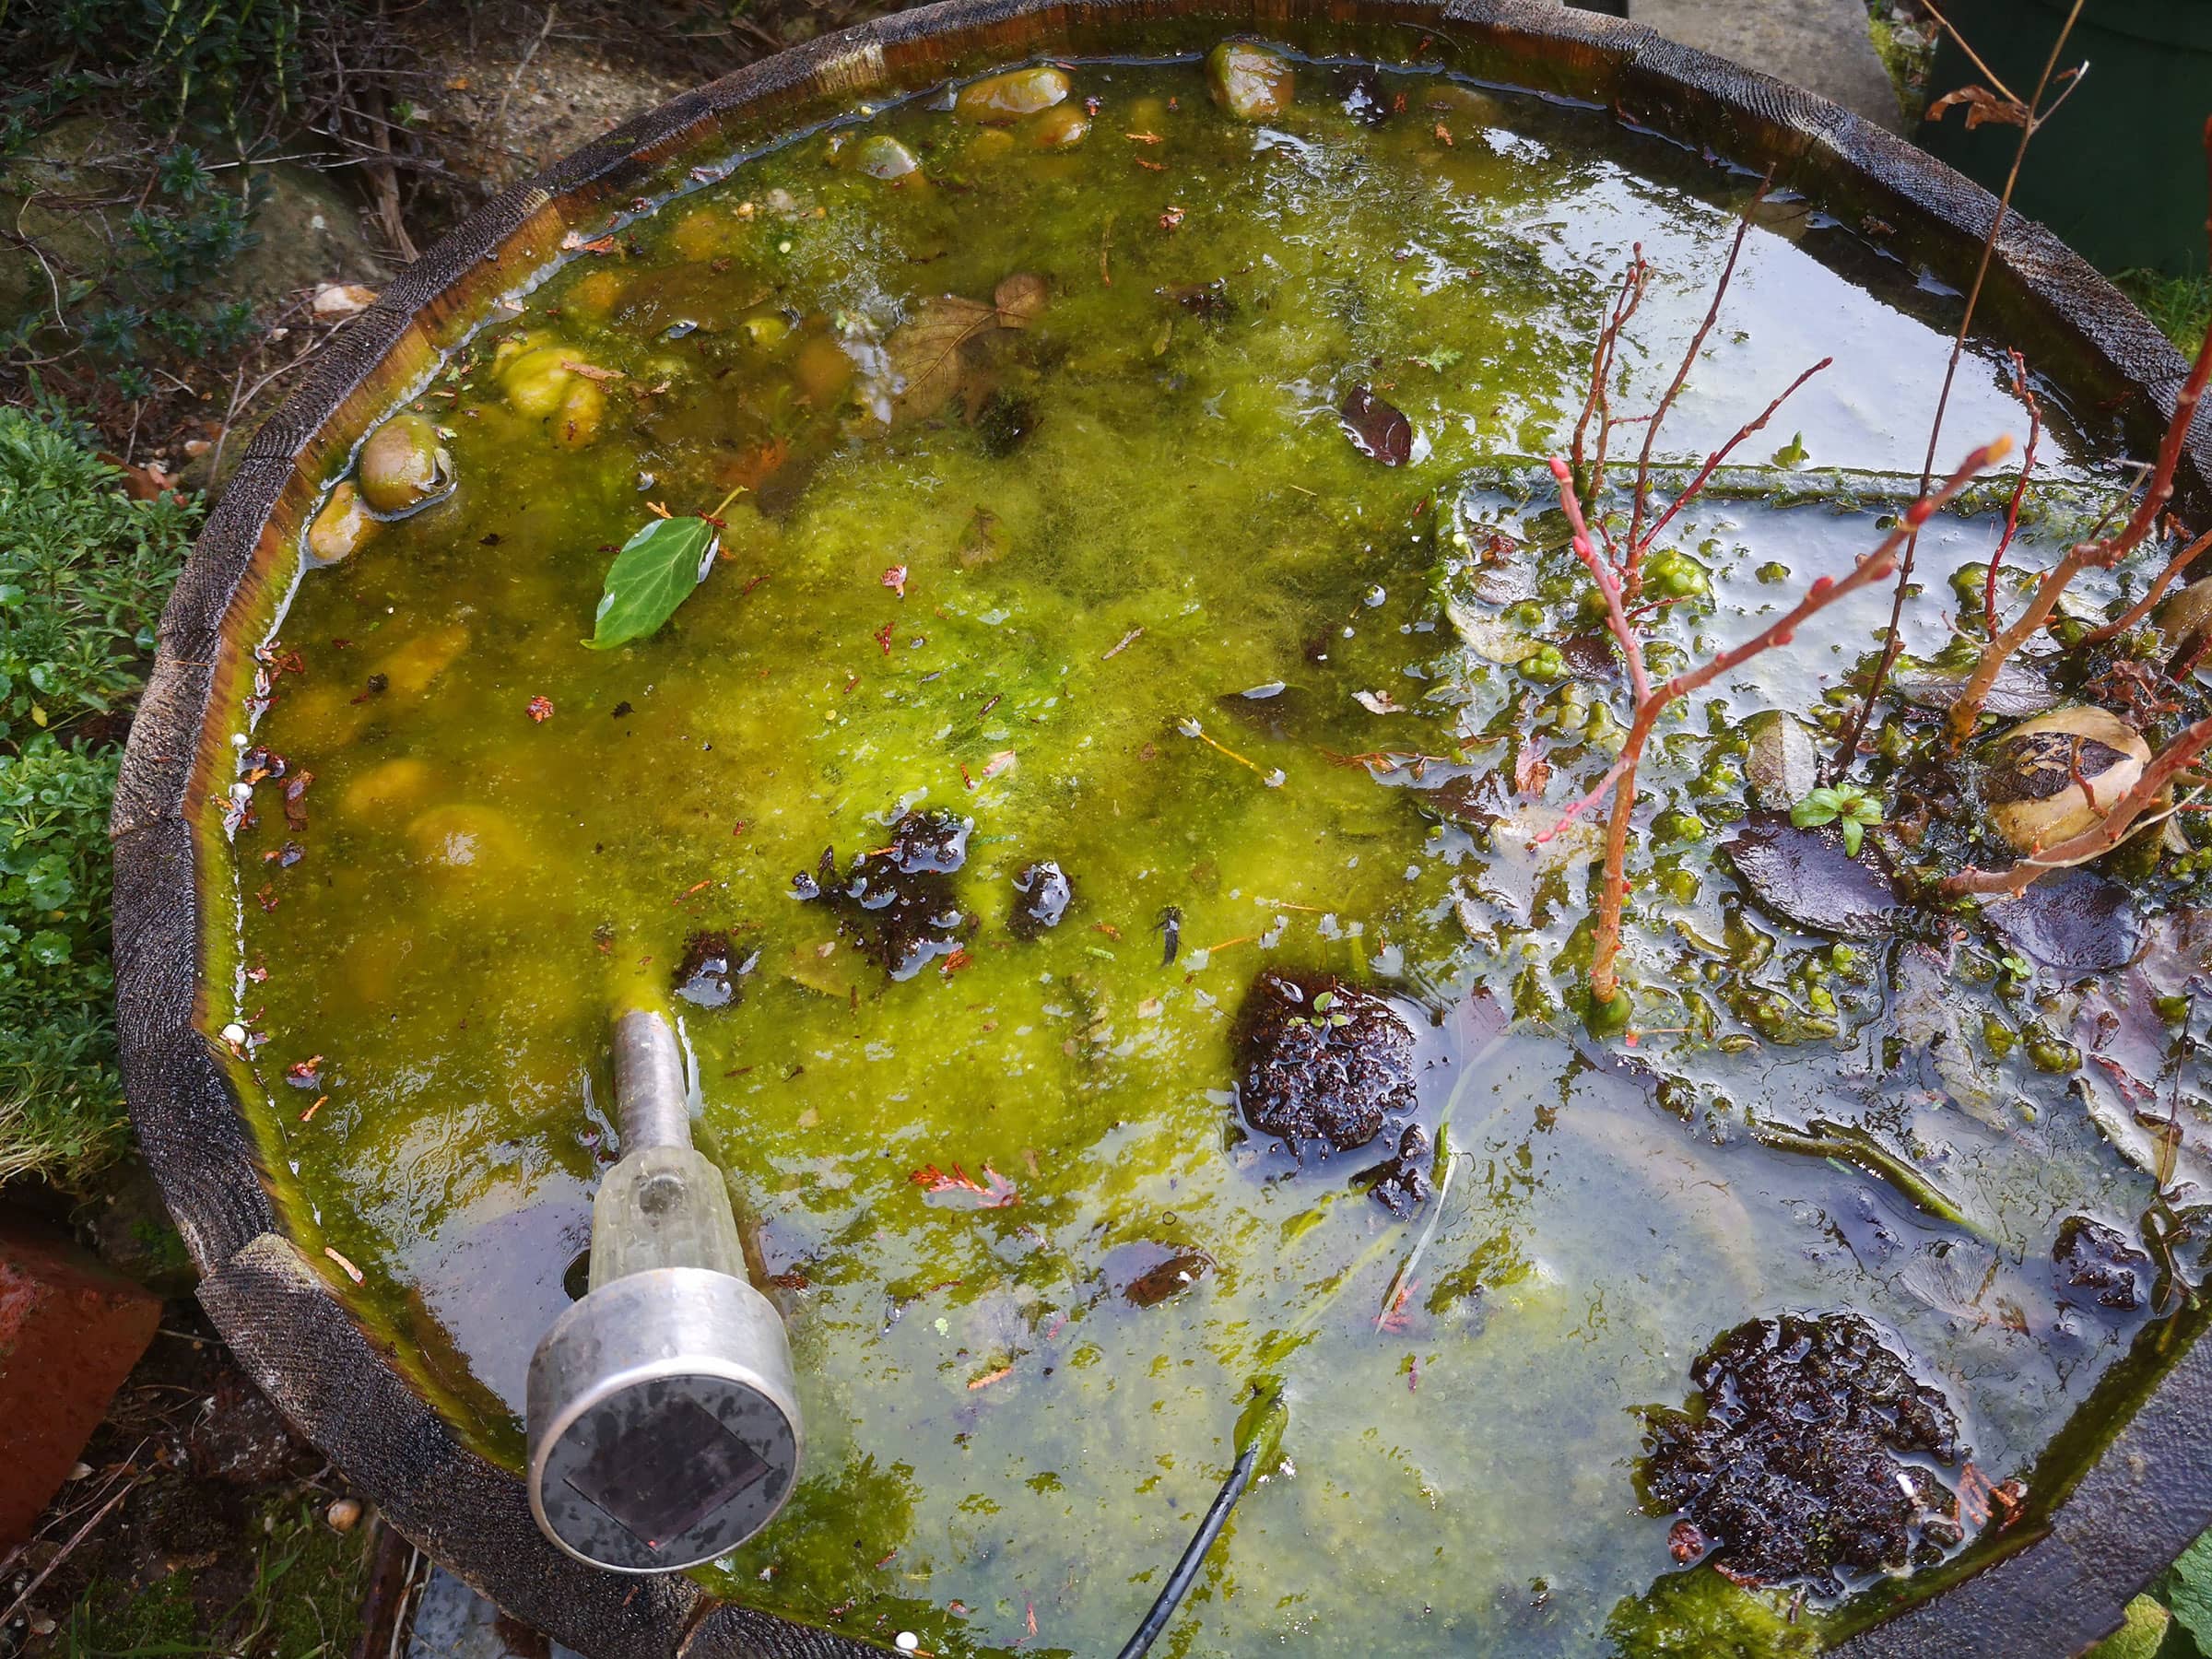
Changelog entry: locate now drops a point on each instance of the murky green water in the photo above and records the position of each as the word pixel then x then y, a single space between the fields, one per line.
pixel 1153 507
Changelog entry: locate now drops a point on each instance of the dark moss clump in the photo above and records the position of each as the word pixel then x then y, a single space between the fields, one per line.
pixel 711 974
pixel 1321 1060
pixel 1006 421
pixel 1401 1185
pixel 2096 1263
pixel 1794 1470
pixel 897 902
pixel 1042 894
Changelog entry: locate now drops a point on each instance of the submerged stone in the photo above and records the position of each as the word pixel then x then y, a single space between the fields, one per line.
pixel 404 465
pixel 342 527
pixel 1042 894
pixel 1322 1060
pixel 1795 1469
pixel 883 157
pixel 897 902
pixel 999 100
pixel 1250 82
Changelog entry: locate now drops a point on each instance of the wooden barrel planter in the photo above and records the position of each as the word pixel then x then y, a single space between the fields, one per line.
pixel 2132 1480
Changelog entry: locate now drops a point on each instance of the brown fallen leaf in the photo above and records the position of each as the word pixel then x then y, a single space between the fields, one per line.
pixel 1379 431
pixel 928 354
pixel 1981 104
pixel 334 301
pixel 141 483
pixel 591 372
pixel 1020 299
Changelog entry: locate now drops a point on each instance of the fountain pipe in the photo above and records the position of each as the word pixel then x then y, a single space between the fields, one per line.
pixel 662 1409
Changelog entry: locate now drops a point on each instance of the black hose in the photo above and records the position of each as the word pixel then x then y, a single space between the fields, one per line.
pixel 1194 1555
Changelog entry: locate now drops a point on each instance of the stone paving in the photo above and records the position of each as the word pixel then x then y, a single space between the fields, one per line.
pixel 1822 45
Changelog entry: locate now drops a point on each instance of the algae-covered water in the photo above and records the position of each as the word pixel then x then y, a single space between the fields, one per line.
pixel 1024 580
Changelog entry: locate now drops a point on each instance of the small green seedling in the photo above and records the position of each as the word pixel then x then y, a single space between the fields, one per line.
pixel 1846 805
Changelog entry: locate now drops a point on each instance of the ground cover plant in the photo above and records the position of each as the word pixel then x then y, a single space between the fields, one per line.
pixel 84 570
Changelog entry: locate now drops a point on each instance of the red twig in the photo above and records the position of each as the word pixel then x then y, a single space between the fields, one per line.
pixel 1597 403
pixel 1854 727
pixel 2020 490
pixel 1713 462
pixel 1689 356
pixel 2141 608
pixel 1651 702
pixel 1958 724
pixel 1608 584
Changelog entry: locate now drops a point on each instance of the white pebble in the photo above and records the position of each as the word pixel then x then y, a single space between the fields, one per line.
pixel 907 1641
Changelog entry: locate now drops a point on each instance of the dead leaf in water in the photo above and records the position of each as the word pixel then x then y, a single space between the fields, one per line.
pixel 1019 299
pixel 1380 431
pixel 929 353
pixel 926 353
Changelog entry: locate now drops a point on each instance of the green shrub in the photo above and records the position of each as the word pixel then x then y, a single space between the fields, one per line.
pixel 83 571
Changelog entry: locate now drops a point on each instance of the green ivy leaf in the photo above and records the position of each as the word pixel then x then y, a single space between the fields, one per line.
pixel 2139 1637
pixel 655 572
pixel 2190 1590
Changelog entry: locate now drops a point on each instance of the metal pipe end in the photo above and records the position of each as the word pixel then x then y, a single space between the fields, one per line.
pixel 652 1100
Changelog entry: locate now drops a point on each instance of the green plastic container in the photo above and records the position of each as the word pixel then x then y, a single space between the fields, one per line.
pixel 2119 172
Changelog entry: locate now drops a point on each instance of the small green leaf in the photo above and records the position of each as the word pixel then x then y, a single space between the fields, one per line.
pixel 654 572
pixel 2190 1590
pixel 1793 453
pixel 1809 814
pixel 2139 1637
pixel 1853 833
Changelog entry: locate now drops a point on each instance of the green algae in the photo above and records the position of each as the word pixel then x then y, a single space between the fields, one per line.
pixel 1029 589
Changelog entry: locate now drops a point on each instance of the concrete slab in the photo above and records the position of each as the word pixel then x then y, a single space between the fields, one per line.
pixel 1821 46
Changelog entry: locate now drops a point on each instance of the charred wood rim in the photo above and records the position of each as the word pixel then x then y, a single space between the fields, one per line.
pixel 2048 1587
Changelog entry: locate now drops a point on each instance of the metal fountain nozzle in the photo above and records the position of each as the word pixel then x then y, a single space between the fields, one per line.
pixel 664 1419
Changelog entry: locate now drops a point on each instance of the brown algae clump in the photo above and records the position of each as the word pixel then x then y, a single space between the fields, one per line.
pixel 897 901
pixel 1803 1466
pixel 1322 1060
